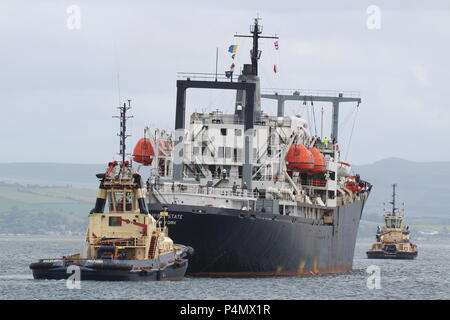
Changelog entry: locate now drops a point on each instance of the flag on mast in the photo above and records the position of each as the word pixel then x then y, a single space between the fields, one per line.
pixel 232 48
pixel 276 45
pixel 275 68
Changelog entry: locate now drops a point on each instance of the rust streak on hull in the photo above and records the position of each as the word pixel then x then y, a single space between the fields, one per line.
pixel 328 270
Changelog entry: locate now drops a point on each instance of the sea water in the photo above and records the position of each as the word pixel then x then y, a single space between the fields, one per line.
pixel 426 277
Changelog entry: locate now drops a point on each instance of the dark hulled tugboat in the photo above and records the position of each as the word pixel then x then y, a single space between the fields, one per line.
pixel 393 240
pixel 126 242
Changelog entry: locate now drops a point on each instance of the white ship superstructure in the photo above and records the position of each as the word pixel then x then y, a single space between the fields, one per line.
pixel 213 162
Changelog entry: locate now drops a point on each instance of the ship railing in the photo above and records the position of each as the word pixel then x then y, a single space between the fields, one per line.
pixel 76 261
pixel 307 92
pixel 314 182
pixel 132 242
pixel 202 76
pixel 211 191
pixel 204 190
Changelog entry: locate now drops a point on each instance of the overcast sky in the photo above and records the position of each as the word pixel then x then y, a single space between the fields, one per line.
pixel 59 86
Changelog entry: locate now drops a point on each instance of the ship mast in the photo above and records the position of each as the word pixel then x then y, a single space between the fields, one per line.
pixel 123 129
pixel 394 209
pixel 255 54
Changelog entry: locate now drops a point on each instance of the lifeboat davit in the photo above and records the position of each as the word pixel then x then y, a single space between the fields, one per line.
pixel 319 161
pixel 165 148
pixel 143 152
pixel 299 158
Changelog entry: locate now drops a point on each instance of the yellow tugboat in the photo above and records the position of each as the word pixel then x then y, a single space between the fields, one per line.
pixel 126 242
pixel 393 240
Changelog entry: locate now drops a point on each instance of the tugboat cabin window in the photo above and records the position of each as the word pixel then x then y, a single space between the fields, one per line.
pixel 128 201
pixel 115 222
pixel 110 202
pixel 118 199
pixel 393 223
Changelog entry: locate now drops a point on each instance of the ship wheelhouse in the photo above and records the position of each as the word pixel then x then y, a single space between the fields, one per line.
pixel 125 230
pixel 392 221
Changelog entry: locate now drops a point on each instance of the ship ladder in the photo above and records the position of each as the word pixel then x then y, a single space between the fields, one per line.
pixel 153 245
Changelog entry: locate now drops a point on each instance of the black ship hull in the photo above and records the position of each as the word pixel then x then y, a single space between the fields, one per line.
pixel 230 242
pixel 381 254
pixel 111 272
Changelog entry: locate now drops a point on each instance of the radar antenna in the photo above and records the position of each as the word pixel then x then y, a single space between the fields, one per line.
pixel 255 54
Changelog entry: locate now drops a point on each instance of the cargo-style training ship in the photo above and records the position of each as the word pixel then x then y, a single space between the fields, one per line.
pixel 393 239
pixel 126 242
pixel 255 194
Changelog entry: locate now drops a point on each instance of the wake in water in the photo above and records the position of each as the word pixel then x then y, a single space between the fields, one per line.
pixel 16 277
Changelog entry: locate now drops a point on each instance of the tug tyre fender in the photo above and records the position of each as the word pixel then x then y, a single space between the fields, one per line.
pixel 190 251
pixel 113 266
pixel 41 265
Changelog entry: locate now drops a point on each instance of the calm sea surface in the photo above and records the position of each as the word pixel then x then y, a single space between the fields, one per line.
pixel 427 277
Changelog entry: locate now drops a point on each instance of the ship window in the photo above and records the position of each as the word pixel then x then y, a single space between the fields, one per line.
pixel 110 201
pixel 118 196
pixel 128 201
pixel 228 152
pixel 221 152
pixel 205 151
pixel 223 131
pixel 238 132
pixel 390 223
pixel 115 221
pixel 195 151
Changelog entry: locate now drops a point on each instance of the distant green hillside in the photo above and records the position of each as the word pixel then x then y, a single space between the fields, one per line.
pixel 51 173
pixel 423 186
pixel 35 198
pixel 40 209
pixel 19 221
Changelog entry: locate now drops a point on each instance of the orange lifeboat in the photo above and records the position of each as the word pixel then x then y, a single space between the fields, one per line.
pixel 319 161
pixel 351 184
pixel 143 152
pixel 299 158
